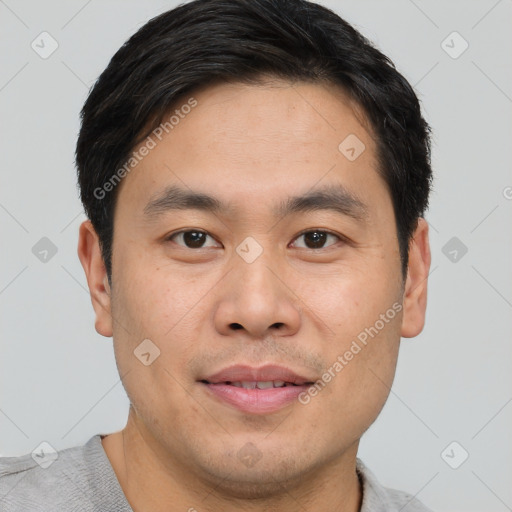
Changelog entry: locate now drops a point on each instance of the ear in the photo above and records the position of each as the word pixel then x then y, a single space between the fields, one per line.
pixel 90 256
pixel 415 290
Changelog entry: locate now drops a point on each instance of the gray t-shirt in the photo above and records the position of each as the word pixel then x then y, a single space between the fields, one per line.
pixel 82 479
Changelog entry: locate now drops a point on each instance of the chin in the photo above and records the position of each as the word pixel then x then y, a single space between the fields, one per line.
pixel 250 474
pixel 251 484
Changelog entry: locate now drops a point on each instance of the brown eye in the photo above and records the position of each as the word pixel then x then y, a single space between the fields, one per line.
pixel 191 239
pixel 316 239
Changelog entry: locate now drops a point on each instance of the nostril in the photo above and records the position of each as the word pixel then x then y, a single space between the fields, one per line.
pixel 277 325
pixel 236 327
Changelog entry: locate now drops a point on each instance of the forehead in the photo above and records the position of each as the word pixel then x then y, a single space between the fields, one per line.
pixel 257 140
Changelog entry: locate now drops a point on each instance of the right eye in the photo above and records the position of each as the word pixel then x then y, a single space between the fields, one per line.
pixel 191 239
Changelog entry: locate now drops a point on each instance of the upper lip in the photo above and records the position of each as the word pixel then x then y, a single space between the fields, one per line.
pixel 243 373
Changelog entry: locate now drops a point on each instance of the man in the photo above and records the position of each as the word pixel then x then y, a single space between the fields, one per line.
pixel 255 174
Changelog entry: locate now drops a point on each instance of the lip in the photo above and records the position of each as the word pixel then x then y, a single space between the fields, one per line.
pixel 256 401
pixel 263 373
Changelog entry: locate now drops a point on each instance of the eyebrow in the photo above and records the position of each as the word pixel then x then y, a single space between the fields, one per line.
pixel 333 197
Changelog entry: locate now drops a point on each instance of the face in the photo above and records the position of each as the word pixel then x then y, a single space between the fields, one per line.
pixel 277 283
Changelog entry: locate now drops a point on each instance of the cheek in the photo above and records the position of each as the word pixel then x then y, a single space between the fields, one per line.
pixel 363 375
pixel 151 303
pixel 361 318
pixel 154 299
pixel 367 325
pixel 149 308
pixel 346 303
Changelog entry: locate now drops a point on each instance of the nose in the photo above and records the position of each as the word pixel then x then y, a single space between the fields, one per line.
pixel 256 298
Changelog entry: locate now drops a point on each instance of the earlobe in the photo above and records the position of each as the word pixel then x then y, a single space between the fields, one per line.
pixel 415 290
pixel 89 253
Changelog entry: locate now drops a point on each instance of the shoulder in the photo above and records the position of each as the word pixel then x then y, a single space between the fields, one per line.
pixel 46 480
pixel 377 498
pixel 405 502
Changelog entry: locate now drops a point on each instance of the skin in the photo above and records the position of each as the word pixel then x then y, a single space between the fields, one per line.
pixel 252 146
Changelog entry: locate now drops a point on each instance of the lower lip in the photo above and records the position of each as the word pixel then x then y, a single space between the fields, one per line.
pixel 256 401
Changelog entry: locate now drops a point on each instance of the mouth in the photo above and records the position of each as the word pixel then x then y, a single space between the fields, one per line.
pixel 256 390
pixel 257 384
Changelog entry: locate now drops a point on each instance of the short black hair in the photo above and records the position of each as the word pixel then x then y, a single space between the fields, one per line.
pixel 206 42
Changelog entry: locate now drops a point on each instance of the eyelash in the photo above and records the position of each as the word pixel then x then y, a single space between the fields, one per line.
pixel 324 231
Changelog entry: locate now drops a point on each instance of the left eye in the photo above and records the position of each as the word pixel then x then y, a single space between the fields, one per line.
pixel 316 238
pixel 191 239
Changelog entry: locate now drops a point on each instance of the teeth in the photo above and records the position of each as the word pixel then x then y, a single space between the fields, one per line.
pixel 265 385
pixel 261 384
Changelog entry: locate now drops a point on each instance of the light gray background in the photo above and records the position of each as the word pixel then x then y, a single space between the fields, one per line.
pixel 58 378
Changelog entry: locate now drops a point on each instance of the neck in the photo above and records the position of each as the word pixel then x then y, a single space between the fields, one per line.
pixel 151 482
